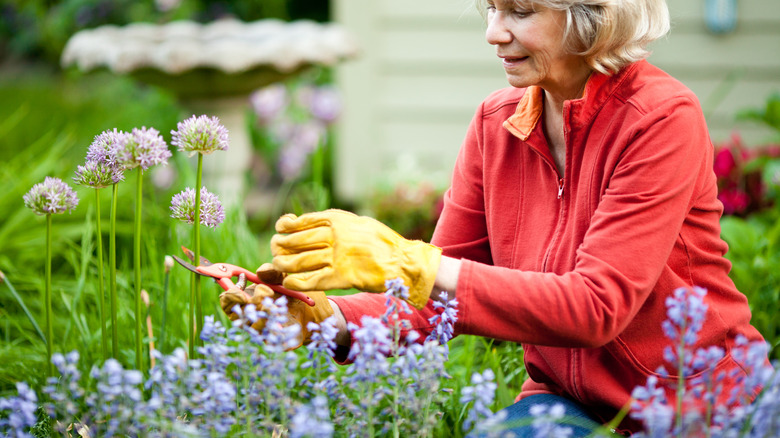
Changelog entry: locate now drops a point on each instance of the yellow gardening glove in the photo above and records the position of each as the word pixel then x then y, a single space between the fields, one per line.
pixel 298 312
pixel 335 249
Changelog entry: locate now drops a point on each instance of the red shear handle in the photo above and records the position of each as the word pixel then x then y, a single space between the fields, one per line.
pixel 224 272
pixel 291 293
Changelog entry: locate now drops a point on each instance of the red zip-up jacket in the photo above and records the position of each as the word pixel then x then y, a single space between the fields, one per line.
pixel 577 267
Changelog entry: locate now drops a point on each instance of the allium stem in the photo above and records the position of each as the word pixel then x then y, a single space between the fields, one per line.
pixel 196 231
pixel 166 284
pixel 47 297
pixel 139 357
pixel 101 292
pixel 112 274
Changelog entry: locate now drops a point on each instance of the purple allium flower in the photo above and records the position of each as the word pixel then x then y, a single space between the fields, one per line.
pixel 268 102
pixel 52 196
pixel 482 392
pixel 107 146
pixel 144 147
pixel 201 135
pixel 17 414
pixel 546 422
pixel 313 420
pixel 324 103
pixel 97 175
pixel 297 144
pixel 211 211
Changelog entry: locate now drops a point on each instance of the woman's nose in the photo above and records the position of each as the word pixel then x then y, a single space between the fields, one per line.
pixel 497 31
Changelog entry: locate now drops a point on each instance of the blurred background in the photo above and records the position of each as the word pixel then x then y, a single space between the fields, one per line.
pixel 346 103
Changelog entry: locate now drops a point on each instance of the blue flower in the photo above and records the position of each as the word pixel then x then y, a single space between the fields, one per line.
pixel 17 414
pixel 444 321
pixel 312 421
pixel 482 392
pixel 547 419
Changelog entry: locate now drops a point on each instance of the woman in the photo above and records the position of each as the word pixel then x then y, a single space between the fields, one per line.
pixel 582 197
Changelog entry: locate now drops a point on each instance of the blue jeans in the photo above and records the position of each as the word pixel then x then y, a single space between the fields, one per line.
pixel 518 417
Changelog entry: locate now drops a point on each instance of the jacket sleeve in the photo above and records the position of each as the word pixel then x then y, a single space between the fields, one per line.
pixel 665 155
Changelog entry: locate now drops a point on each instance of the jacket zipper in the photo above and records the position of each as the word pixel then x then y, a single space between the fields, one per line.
pixel 560 188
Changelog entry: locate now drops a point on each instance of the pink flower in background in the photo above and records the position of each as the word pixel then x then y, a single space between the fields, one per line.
pixel 735 200
pixel 724 163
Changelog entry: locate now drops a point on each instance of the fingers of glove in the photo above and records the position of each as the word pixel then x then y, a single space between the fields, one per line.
pixel 290 223
pixel 321 279
pixel 231 298
pixel 304 240
pixel 269 275
pixel 260 292
pixel 303 262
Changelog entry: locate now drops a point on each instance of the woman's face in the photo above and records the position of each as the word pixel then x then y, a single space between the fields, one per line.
pixel 530 42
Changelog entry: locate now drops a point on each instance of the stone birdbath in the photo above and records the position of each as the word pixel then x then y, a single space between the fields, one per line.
pixel 212 69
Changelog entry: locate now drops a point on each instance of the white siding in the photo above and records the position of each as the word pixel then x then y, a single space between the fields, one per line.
pixel 425 66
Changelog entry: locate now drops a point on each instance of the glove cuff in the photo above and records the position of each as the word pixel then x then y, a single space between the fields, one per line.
pixel 420 269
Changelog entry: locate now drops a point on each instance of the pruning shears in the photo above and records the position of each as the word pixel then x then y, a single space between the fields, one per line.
pixel 223 273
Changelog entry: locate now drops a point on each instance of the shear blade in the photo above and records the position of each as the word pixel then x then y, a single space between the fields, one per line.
pixel 191 255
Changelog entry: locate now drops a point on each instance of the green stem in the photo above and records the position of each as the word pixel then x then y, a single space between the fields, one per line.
pixel 198 298
pixel 139 358
pixel 47 297
pixel 317 165
pixel 101 292
pixel 164 308
pixel 191 316
pixel 112 275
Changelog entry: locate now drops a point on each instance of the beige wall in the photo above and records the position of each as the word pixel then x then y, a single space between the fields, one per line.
pixel 425 66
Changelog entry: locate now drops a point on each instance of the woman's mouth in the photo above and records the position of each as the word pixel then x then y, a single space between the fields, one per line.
pixel 511 62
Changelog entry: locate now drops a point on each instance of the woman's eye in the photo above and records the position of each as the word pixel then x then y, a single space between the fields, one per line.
pixel 521 13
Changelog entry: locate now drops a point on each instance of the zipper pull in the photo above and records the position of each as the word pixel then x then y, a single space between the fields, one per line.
pixel 560 188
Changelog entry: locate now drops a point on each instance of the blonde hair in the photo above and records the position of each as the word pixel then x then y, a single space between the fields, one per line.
pixel 610 34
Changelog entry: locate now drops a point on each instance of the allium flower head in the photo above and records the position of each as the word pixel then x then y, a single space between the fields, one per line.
pixel 144 147
pixel 269 102
pixel 202 135
pixel 98 175
pixel 107 146
pixel 211 211
pixel 51 196
pixel 324 103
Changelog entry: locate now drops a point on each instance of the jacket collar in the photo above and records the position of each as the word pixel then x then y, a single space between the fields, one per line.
pixel 577 112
